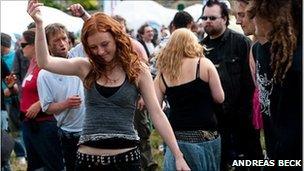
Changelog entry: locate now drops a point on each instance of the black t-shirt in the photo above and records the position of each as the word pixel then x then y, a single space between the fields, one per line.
pixel 264 75
pixel 211 49
pixel 281 104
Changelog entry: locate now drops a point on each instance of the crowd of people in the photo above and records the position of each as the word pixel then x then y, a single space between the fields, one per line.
pixel 209 94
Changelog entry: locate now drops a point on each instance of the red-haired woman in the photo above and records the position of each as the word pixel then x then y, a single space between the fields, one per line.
pixel 113 76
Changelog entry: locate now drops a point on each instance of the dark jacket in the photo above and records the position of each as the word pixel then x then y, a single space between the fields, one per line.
pixel 140 40
pixel 232 53
pixel 4 72
pixel 21 65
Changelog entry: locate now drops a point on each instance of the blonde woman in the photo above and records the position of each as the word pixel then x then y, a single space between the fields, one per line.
pixel 192 85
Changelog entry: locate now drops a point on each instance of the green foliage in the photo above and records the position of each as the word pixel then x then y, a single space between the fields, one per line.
pixel 64 4
pixel 158 156
pixel 88 4
pixel 51 3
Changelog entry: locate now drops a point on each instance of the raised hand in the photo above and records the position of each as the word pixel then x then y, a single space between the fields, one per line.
pixel 34 11
pixel 77 10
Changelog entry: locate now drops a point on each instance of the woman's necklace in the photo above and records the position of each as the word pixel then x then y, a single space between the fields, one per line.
pixel 113 81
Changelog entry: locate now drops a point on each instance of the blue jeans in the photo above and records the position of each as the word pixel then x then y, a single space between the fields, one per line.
pixel 42 145
pixel 4 120
pixel 69 142
pixel 199 156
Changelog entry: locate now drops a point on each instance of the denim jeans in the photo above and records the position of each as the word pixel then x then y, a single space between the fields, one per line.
pixel 4 120
pixel 204 156
pixel 42 145
pixel 69 146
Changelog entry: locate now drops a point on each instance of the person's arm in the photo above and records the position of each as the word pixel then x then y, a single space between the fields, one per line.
pixel 159 119
pixel 159 89
pixel 78 11
pixel 252 66
pixel 71 102
pixel 214 82
pixel 140 50
pixel 33 110
pixel 17 66
pixel 76 66
pixel 4 73
pixel 47 99
pixel 4 70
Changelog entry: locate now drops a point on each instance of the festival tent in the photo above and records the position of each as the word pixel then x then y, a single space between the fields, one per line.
pixel 196 11
pixel 14 18
pixel 138 12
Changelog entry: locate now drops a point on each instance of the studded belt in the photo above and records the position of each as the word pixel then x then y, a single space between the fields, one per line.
pixel 98 160
pixel 196 136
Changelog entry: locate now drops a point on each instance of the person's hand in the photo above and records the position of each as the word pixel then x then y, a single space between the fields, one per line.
pixel 73 102
pixel 181 164
pixel 33 110
pixel 77 10
pixel 15 88
pixel 7 92
pixel 34 11
pixel 140 104
pixel 11 80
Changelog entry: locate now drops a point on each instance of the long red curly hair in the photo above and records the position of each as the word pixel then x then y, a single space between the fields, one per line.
pixel 124 56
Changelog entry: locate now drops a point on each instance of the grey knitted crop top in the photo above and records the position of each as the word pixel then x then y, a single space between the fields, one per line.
pixel 110 117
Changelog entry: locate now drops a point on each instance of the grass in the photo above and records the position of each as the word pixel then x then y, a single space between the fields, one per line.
pixel 14 164
pixel 158 155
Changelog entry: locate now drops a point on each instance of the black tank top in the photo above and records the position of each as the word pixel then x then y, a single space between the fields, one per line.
pixel 191 105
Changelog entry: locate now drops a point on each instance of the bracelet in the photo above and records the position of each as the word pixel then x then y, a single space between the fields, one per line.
pixel 82 15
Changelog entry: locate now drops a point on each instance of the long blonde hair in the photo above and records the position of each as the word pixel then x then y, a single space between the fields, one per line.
pixel 182 44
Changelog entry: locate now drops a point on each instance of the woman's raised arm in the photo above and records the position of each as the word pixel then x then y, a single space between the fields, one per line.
pixel 75 66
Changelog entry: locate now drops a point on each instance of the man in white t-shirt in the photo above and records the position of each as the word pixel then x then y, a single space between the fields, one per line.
pixel 62 96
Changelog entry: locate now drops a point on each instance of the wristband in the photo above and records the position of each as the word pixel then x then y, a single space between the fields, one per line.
pixel 82 15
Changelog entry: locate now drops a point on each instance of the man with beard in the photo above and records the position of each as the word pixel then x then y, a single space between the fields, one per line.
pixel 66 102
pixel 229 52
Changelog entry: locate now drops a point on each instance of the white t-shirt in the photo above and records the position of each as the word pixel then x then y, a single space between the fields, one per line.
pixel 57 88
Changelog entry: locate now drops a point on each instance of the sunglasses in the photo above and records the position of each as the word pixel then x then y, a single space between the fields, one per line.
pixel 211 18
pixel 23 45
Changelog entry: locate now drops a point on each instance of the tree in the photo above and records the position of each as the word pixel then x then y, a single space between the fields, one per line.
pixel 64 4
